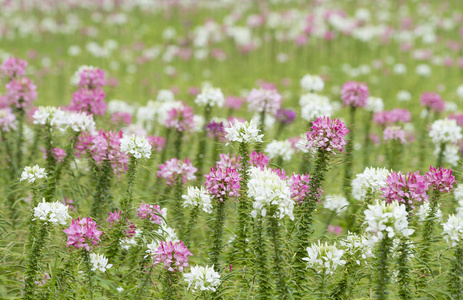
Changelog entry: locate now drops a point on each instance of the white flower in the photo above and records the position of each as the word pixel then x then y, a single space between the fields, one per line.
pixel 76 77
pixel 312 83
pixel 445 131
pixel 460 91
pixel 403 96
pixel 243 132
pixel 314 106
pixel 120 106
pixel 198 123
pixel 336 203
pixel 99 262
pixel 423 211
pixel 136 145
pixel 120 289
pixel 32 174
pixel 80 122
pixel 279 148
pixel 387 219
pixel 451 153
pixel 54 212
pixel 269 120
pixel 51 115
pixel 371 180
pixel 197 197
pixel 202 278
pixel 400 69
pixel 210 96
pixel 374 104
pixel 165 96
pixel 423 70
pixel 269 192
pixel 453 230
pixel 130 241
pixel 358 247
pixel 324 258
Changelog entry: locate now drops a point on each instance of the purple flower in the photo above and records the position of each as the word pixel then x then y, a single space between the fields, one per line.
pixel 259 160
pixel 13 67
pixel 260 100
pixel 354 94
pixel 394 133
pixel 20 92
pixel 215 129
pixel 440 180
pixel 285 116
pixel 407 189
pixel 327 135
pixel 433 101
pixel 175 169
pixel 153 212
pixel 92 78
pixel 89 100
pixel 114 217
pixel 174 256
pixel 180 118
pixel 82 232
pixel 223 183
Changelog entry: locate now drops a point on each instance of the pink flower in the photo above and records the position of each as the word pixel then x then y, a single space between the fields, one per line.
pixel 227 161
pixel 327 135
pixel 440 180
pixel 433 101
pixel 233 102
pixel 131 229
pixel 92 78
pixel 89 100
pixel 157 142
pixel 337 230
pixel 57 153
pixel 174 256
pixel 259 159
pixel 268 100
pixel 7 120
pixel 354 94
pixel 299 185
pixel 153 212
pixel 21 92
pixel 69 203
pixel 13 67
pixel 405 189
pixel 394 133
pixel 81 232
pixel 280 172
pixel 215 130
pixel 121 118
pixel 223 183
pixel 175 169
pixel 457 117
pixel 180 118
pixel 114 217
pixel 393 116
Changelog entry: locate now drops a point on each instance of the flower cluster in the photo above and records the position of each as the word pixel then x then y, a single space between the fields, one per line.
pixel 223 183
pixel 175 169
pixel 89 100
pixel 7 120
pixel 407 189
pixel 54 212
pixel 374 104
pixel 327 135
pixel 336 203
pixel 264 100
pixel 279 149
pixel 299 186
pixel 395 133
pixel 324 258
pixel 80 122
pixel 423 212
pixel 51 115
pixel 215 129
pixel 445 131
pixel 246 132
pixel 285 116
pixel 198 197
pixel 371 181
pixel 387 220
pixel 13 67
pixel 354 94
pixel 174 256
pixel 315 106
pixel 440 180
pixel 81 232
pixel 136 145
pixel 359 247
pixel 210 96
pixel 91 77
pixel 33 174
pixel 157 142
pixel 392 116
pixel 114 217
pixel 151 212
pixel 202 278
pixel 180 118
pixel 312 83
pixel 269 192
pixel 229 161
pixel 453 230
pixel 21 92
pixel 432 101
pixel 259 159
pixel 99 262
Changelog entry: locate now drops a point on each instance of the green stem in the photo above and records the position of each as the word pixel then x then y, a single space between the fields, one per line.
pixel 403 277
pixel 218 233
pixel 20 141
pixel 456 274
pixel 102 196
pixel 88 270
pixel 367 141
pixel 260 250
pixel 126 205
pixel 191 223
pixel 243 207
pixel 277 257
pixel 348 162
pixel 168 288
pixel 177 205
pixel 202 145
pixel 382 268
pixel 178 144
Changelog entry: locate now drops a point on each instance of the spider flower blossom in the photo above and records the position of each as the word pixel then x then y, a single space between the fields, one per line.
pixel 202 278
pixel 312 83
pixel 372 180
pixel 7 120
pixel 315 106
pixel 324 258
pixel 405 189
pixel 433 101
pixel 394 133
pixel 223 183
pixel 229 161
pixel 32 174
pixel 91 77
pixel 215 129
pixel 151 212
pixel 99 262
pixel 423 212
pixel 157 142
pixel 197 197
pixel 174 256
pixel 259 159
pixel 374 104
pixel 80 122
pixel 246 132
pixel 54 212
pixel 359 247
pixel 114 217
pixel 336 203
pixel 354 94
pixel 440 180
pixel 299 186
pixel 13 67
pixel 389 220
pixel 89 100
pixel 453 230
pixel 136 145
pixel 285 116
pixel 210 96
pixel 51 115
pixel 82 232
pixel 281 149
pixel 175 169
pixel 327 135
pixel 393 116
pixel 264 100
pixel 21 92
pixel 269 192
pixel 180 118
pixel 445 131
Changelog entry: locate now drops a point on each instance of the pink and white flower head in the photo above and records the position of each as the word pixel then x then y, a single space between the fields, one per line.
pixel 157 142
pixel 7 120
pixel 21 92
pixel 259 159
pixel 354 94
pixel 83 232
pixel 407 189
pixel 233 102
pixel 264 100
pixel 89 100
pixel 151 212
pixel 229 161
pixel 58 154
pixel 180 118
pixel 433 101
pixel 392 116
pixel 174 256
pixel 440 179
pixel 223 183
pixel 327 135
pixel 91 78
pixel 114 217
pixel 13 67
pixel 395 133
pixel 299 186
pixel 175 169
